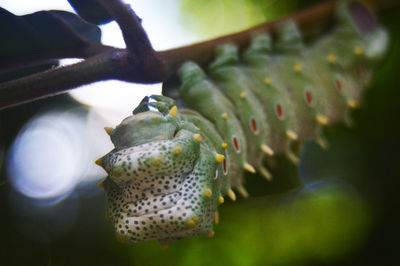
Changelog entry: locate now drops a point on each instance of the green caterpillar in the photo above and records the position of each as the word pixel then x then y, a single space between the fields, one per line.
pixel 171 169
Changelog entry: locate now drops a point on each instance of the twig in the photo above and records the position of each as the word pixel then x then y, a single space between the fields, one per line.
pixel 138 67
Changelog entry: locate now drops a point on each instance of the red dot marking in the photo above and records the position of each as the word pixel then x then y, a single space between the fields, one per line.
pixel 279 111
pixel 236 144
pixel 224 167
pixel 309 98
pixel 339 86
pixel 254 125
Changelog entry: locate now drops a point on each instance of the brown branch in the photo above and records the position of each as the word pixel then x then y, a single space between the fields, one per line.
pixel 141 68
pixel 86 51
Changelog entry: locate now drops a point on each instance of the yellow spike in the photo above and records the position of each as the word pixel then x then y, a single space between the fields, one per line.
pixel 101 184
pixel 243 192
pixel 265 173
pixel 292 157
pixel 352 104
pixel 221 199
pixel 178 150
pixel 332 58
pixel 192 222
pixel 154 116
pixel 219 157
pixel 116 171
pixel 358 50
pixel 267 80
pixel 207 193
pixel 197 137
pixel 216 217
pixel 322 120
pixel 157 161
pixel 174 111
pixel 164 247
pixel 297 68
pixel 292 135
pixel 231 195
pixel 267 150
pixel 211 234
pixel 322 143
pixel 99 161
pixel 108 130
pixel 249 168
pixel 224 145
pixel 243 95
pixel 224 116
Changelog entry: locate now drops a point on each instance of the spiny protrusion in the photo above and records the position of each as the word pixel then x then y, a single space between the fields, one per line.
pixel 243 192
pixel 174 111
pixel 177 150
pixel 221 199
pixel 292 135
pixel 192 222
pixel 99 161
pixel 243 95
pixel 292 157
pixel 231 195
pixel 352 104
pixel 224 145
pixel 322 120
pixel 108 130
pixel 322 143
pixel 216 217
pixel 211 234
pixel 219 157
pixel 224 116
pixel 265 173
pixel 267 149
pixel 267 80
pixel 332 58
pixel 157 161
pixel 358 50
pixel 297 68
pixel 197 137
pixel 116 171
pixel 154 116
pixel 101 184
pixel 207 193
pixel 249 168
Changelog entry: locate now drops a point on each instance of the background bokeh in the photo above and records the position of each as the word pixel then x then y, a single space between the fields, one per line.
pixel 342 208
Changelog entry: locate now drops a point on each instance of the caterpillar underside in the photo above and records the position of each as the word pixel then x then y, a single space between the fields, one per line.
pixel 175 159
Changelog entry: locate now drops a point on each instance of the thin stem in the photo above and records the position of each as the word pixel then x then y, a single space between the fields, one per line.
pixel 135 37
pixel 145 68
pixel 60 79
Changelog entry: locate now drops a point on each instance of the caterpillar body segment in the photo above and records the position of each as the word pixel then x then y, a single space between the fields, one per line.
pixel 176 159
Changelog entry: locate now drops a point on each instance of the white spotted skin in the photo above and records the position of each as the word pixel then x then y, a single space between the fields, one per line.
pixel 164 216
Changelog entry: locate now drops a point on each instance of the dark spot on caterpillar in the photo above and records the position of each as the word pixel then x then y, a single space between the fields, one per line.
pixel 309 98
pixel 339 85
pixel 279 111
pixel 175 132
pixel 254 126
pixel 235 142
pixel 224 167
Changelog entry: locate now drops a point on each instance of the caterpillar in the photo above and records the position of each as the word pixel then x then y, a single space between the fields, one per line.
pixel 181 153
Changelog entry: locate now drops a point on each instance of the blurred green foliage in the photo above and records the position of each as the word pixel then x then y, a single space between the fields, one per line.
pixel 211 18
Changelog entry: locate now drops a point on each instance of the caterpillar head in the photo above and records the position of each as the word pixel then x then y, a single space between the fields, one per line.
pixel 158 183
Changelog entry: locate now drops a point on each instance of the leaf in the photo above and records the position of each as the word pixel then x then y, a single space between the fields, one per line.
pixel 44 34
pixel 91 11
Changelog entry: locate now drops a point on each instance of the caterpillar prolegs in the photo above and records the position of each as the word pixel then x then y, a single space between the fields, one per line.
pixel 176 158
